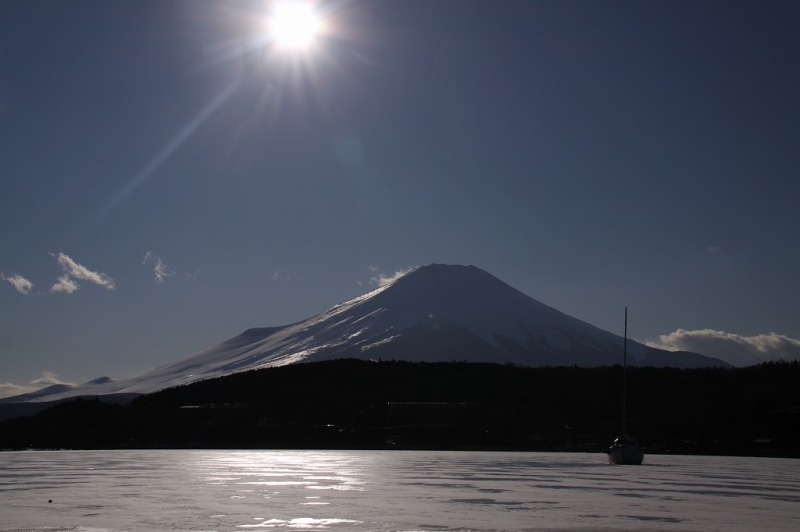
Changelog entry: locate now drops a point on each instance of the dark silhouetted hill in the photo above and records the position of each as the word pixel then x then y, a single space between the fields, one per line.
pixel 403 405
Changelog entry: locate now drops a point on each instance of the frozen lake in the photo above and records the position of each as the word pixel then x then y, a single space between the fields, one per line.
pixel 392 490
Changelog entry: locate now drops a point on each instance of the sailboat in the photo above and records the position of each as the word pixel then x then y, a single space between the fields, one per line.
pixel 624 450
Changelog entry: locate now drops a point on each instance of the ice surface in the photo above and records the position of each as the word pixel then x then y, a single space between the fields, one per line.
pixel 392 490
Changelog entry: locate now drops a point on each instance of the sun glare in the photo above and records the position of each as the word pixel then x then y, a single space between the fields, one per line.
pixel 294 24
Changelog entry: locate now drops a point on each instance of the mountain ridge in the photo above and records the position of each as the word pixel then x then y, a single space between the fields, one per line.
pixel 432 313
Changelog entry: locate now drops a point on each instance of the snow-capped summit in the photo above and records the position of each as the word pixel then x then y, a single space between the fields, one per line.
pixel 432 313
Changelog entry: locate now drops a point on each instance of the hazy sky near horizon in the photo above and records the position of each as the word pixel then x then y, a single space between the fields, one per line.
pixel 170 177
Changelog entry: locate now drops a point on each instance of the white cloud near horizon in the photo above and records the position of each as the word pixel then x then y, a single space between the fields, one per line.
pixel 9 389
pixel 48 378
pixel 73 270
pixel 20 283
pixel 382 279
pixel 160 270
pixel 732 348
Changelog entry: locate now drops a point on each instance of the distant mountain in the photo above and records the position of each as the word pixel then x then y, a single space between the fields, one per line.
pixel 43 394
pixel 433 313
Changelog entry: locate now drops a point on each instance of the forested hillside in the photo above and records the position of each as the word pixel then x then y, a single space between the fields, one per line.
pixel 403 405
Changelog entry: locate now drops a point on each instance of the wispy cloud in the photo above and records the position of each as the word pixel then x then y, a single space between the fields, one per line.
pixel 280 275
pixel 382 279
pixel 21 284
pixel 65 284
pixel 160 270
pixel 73 271
pixel 191 276
pixel 48 378
pixel 730 347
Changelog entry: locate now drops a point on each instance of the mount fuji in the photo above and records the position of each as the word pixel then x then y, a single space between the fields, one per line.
pixel 433 313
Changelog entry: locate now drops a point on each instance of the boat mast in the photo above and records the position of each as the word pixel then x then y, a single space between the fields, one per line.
pixel 624 372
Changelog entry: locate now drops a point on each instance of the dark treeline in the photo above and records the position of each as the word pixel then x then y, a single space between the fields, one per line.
pixel 375 405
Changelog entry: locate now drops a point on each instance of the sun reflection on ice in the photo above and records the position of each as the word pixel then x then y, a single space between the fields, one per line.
pixel 302 522
pixel 285 477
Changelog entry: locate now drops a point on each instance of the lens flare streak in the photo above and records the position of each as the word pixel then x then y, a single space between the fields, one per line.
pixel 183 135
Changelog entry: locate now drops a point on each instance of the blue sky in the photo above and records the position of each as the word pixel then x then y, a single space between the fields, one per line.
pixel 171 178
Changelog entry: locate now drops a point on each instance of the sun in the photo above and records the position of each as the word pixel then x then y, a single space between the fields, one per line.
pixel 294 24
